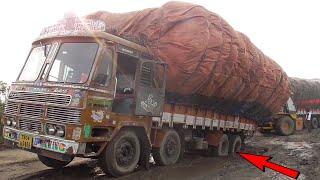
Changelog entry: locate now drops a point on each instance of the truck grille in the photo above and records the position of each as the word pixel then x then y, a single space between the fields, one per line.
pixel 59 99
pixel 31 110
pixel 30 124
pixel 31 115
pixel 63 115
pixel 11 108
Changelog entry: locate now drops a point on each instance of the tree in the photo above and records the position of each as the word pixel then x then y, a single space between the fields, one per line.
pixel 3 87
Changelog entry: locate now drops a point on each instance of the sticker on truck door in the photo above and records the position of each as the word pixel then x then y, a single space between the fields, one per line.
pixel 149 104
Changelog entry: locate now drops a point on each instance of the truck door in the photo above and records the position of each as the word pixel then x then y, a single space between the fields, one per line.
pixel 150 88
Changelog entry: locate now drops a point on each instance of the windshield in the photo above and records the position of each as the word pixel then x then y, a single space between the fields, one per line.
pixel 73 62
pixel 34 63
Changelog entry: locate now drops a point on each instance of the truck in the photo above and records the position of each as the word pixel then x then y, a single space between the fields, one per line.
pixel 305 98
pixel 86 92
pixel 285 122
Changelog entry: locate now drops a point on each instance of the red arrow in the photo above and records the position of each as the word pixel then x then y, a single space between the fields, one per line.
pixel 262 161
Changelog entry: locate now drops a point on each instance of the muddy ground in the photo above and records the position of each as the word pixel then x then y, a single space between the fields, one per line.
pixel 300 151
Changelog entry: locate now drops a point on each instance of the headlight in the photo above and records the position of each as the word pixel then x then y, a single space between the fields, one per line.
pixel 60 131
pixel 9 122
pixel 14 123
pixel 55 130
pixel 50 129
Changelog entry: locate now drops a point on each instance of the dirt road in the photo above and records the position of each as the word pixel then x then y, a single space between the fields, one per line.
pixel 299 151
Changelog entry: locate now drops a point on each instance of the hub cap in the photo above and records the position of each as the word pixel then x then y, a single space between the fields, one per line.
pixel 125 153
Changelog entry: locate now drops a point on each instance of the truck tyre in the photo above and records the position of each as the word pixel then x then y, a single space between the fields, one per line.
pixel 53 163
pixel 234 144
pixel 314 123
pixel 222 149
pixel 285 126
pixel 122 154
pixel 170 149
pixel 183 144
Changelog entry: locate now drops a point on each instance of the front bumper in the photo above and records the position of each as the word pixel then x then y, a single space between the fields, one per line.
pixel 42 142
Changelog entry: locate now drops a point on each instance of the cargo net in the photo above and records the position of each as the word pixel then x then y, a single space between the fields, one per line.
pixel 209 62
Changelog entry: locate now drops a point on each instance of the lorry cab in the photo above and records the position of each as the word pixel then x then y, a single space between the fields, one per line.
pixel 80 85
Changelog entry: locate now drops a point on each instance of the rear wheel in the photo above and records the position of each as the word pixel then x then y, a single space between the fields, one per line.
pixel 314 123
pixel 53 163
pixel 170 149
pixel 121 156
pixel 235 144
pixel 285 126
pixel 222 149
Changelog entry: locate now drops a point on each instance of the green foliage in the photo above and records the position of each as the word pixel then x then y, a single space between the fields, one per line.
pixel 1 138
pixel 3 87
pixel 1 109
pixel 1 112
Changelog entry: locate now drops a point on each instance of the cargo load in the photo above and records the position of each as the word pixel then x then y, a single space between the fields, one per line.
pixel 306 92
pixel 209 63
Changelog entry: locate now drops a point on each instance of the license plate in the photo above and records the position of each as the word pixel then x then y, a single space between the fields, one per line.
pixel 51 145
pixel 25 141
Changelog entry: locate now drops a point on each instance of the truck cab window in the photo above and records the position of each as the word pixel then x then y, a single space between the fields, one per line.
pixel 126 73
pixel 104 71
pixel 126 70
pixel 290 105
pixel 34 63
pixel 73 62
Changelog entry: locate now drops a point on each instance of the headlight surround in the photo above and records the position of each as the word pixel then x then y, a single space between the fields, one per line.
pixel 10 121
pixel 55 130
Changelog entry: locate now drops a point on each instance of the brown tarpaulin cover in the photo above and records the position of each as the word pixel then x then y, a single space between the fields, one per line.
pixel 206 57
pixel 306 92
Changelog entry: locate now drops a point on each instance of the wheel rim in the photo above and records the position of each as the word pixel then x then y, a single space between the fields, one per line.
pixel 171 147
pixel 285 126
pixel 125 153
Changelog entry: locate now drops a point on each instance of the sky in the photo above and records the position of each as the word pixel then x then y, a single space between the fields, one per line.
pixel 288 31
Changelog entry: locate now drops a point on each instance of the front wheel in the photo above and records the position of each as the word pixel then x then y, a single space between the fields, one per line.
pixel 53 163
pixel 285 126
pixel 122 154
